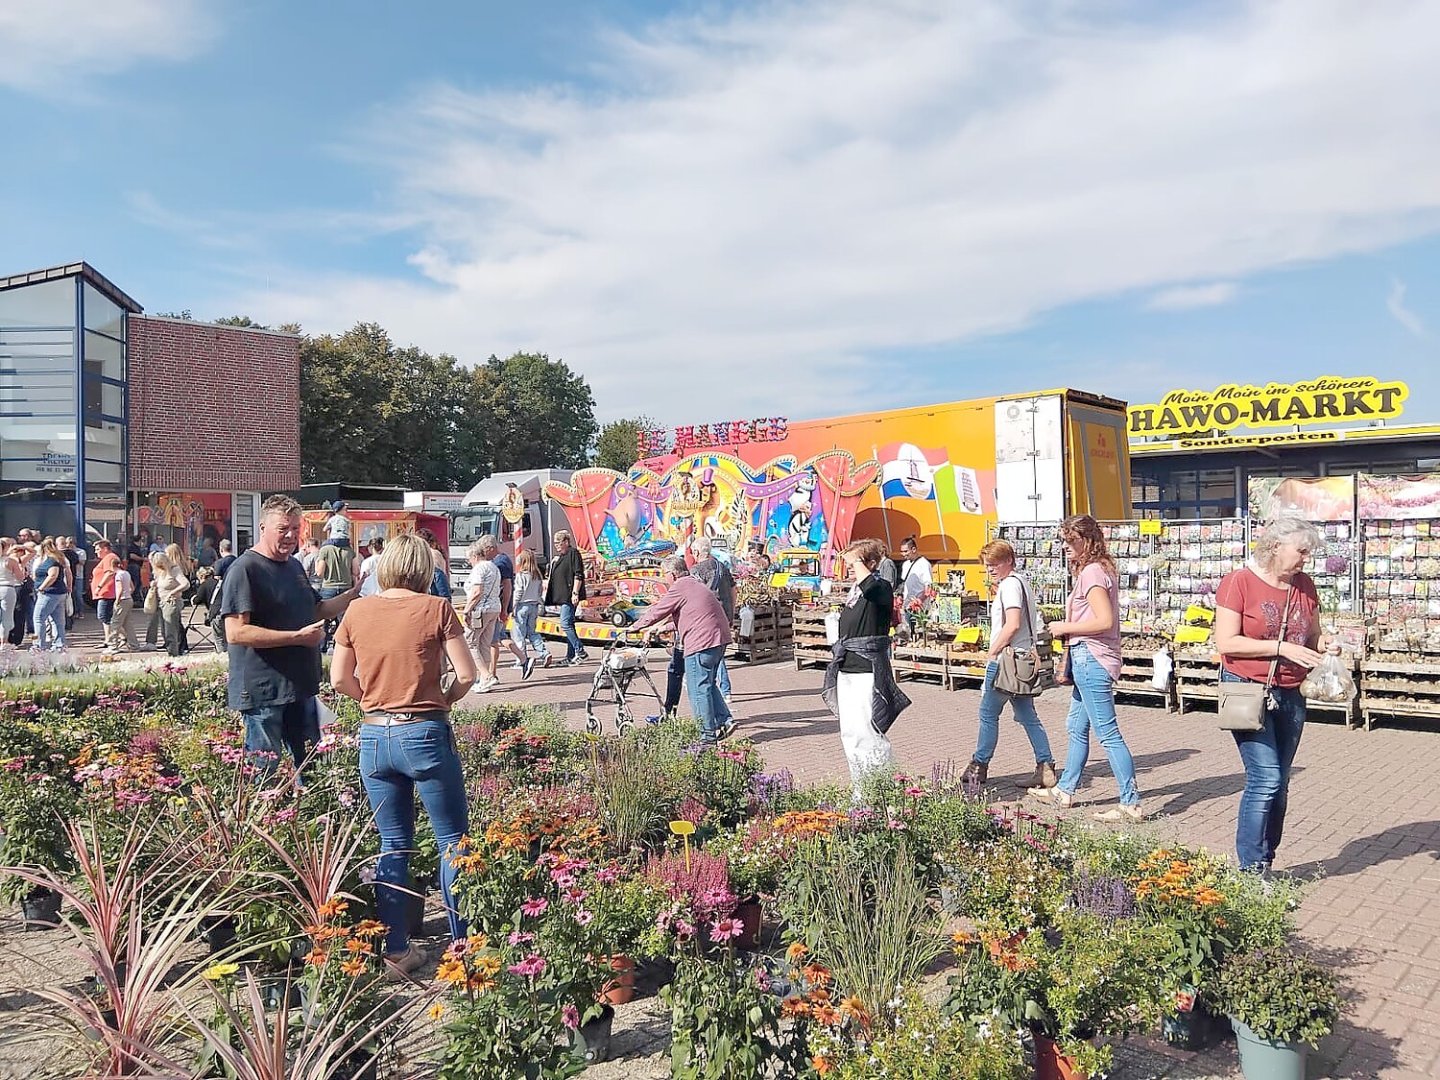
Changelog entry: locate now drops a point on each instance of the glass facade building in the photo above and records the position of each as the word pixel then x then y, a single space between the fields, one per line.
pixel 64 402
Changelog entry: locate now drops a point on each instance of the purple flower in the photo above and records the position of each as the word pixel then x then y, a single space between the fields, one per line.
pixel 570 1017
pixel 534 907
pixel 1102 894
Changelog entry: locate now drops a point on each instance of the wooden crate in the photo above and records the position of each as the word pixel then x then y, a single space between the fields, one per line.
pixel 1197 679
pixel 808 636
pixel 916 659
pixel 967 667
pixel 772 632
pixel 1137 667
pixel 1390 686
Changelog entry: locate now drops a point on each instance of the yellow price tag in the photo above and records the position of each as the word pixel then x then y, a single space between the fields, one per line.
pixel 1197 614
pixel 1151 526
pixel 967 635
pixel 684 829
pixel 1192 635
pixel 779 579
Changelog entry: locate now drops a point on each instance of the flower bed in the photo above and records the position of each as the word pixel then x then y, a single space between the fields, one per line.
pixel 136 804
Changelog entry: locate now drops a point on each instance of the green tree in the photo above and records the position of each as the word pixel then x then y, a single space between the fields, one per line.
pixel 243 321
pixel 618 446
pixel 540 414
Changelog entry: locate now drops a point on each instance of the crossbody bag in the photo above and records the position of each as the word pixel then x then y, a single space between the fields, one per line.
pixel 1026 672
pixel 1242 704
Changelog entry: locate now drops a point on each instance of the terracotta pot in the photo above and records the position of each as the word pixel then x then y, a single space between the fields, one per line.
pixel 621 989
pixel 1051 1064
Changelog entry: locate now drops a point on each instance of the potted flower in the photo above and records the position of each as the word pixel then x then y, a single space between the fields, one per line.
pixel 1280 1003
pixel 35 805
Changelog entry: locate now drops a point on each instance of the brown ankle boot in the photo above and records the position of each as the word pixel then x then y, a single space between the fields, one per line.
pixel 1043 777
pixel 977 773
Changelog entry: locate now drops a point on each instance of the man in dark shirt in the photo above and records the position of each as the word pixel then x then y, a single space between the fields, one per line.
pixel 565 588
pixel 717 577
pixel 274 624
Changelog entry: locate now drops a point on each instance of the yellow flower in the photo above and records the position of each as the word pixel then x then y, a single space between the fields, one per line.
pixel 217 972
pixel 436 1011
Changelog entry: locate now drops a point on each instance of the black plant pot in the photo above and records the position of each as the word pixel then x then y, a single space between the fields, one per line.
pixel 41 908
pixel 218 932
pixel 1193 1030
pixel 592 1041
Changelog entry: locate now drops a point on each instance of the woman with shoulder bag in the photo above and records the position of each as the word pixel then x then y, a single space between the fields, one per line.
pixel 1092 638
pixel 1012 626
pixel 1267 631
pixel 169 588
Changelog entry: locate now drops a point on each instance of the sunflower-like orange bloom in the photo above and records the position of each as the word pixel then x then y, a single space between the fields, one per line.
pixel 793 1008
pixel 963 937
pixel 436 1011
pixel 854 1008
pixel 488 965
pixel 822 1065
pixel 333 907
pixel 367 929
pixel 795 952
pixel 816 974
pixel 476 942
pixel 828 1015
pixel 450 971
pixel 317 957
pixel 479 984
pixel 353 967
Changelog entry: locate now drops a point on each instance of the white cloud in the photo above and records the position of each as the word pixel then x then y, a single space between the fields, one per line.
pixel 750 206
pixel 51 46
pixel 1395 304
pixel 1188 297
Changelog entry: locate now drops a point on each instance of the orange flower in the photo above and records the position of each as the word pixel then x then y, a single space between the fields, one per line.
pixel 828 1015
pixel 478 984
pixel 816 974
pixel 368 929
pixel 333 907
pixel 317 957
pixel 963 937
pixel 450 971
pixel 792 1008
pixel 353 967
pixel 436 1011
pixel 820 996
pixel 821 1064
pixel 476 942
pixel 795 952
pixel 853 1007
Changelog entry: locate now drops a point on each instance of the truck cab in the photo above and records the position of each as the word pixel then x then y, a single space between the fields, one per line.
pixel 493 506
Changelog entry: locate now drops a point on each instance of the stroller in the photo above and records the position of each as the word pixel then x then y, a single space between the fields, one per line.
pixel 622 663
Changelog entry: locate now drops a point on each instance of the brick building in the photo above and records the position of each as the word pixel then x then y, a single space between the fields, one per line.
pixel 183 424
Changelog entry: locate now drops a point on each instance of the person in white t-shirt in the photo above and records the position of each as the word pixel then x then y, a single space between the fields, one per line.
pixel 1013 619
pixel 370 581
pixel 915 577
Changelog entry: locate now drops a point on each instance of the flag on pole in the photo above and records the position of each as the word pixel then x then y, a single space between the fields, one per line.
pixel 907 471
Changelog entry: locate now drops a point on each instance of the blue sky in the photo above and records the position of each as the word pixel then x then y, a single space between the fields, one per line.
pixel 717 210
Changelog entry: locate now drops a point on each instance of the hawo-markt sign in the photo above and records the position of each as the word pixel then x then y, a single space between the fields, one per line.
pixel 1319 401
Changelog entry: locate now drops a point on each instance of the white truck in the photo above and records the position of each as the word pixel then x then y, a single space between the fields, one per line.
pixel 483 508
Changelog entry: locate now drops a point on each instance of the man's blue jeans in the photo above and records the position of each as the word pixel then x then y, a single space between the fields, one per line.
pixel 573 648
pixel 49 619
pixel 705 697
pixel 1023 709
pixel 272 729
pixel 1268 755
pixel 722 676
pixel 1092 706
pixel 396 760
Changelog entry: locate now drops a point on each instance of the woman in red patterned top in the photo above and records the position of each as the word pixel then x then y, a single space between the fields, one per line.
pixel 1253 603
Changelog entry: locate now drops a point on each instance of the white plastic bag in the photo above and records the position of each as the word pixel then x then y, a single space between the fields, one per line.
pixel 325 714
pixel 747 621
pixel 1163 668
pixel 832 628
pixel 1330 680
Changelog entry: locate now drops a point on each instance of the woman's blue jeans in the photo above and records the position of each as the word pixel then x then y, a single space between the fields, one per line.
pixel 992 701
pixel 49 620
pixel 573 648
pixel 706 701
pixel 396 760
pixel 1267 755
pixel 522 629
pixel 1092 707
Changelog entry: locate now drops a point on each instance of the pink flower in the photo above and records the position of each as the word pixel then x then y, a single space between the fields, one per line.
pixel 914 792
pixel 726 929
pixel 575 896
pixel 584 918
pixel 288 814
pixel 534 907
pixel 684 929
pixel 530 967
pixel 609 876
pixel 517 938
pixel 570 1017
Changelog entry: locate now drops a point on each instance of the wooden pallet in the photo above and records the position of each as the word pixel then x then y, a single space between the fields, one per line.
pixel 1197 680
pixel 914 659
pixel 809 647
pixel 1137 666
pixel 1401 688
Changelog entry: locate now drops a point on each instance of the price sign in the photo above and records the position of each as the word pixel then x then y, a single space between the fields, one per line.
pixel 967 635
pixel 1150 526
pixel 1192 635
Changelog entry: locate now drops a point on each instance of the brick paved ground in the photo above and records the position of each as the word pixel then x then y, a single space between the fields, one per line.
pixel 1364 823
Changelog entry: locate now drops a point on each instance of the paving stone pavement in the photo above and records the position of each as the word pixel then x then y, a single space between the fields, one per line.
pixel 1364 823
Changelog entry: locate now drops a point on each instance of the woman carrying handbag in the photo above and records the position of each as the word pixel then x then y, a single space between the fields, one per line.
pixel 1267 631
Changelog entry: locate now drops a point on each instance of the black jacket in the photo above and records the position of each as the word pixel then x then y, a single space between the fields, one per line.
pixel 564 572
pixel 887 700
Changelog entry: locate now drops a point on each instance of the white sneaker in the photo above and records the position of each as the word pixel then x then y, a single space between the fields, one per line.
pixel 486 685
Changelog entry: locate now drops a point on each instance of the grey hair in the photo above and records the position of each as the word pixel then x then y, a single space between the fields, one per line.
pixel 1285 530
pixel 674 565
pixel 701 546
pixel 478 550
pixel 487 542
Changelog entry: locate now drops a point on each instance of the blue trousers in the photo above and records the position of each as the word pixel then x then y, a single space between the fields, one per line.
pixel 1092 708
pixel 396 761
pixel 273 729
pixel 1268 755
pixel 706 701
pixel 992 701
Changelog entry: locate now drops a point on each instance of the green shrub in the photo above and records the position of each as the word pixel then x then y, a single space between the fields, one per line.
pixel 1280 994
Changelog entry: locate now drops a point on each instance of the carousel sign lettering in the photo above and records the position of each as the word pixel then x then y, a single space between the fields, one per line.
pixel 683 440
pixel 1319 401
